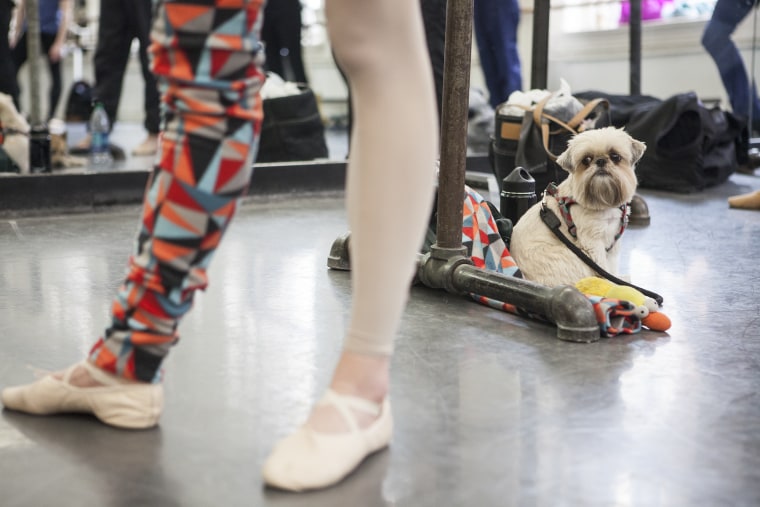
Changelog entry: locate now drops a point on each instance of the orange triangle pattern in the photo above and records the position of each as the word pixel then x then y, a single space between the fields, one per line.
pixel 183 13
pixel 166 251
pixel 183 168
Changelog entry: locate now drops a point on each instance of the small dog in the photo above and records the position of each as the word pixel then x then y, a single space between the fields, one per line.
pixel 15 133
pixel 591 205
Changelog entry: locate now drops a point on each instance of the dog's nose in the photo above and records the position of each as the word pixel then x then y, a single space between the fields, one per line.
pixel 601 162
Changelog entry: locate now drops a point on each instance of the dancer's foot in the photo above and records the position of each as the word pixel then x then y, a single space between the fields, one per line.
pixel 351 421
pixel 82 147
pixel 746 201
pixel 148 147
pixel 84 388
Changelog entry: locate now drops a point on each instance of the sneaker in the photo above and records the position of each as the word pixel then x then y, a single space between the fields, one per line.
pixel 148 147
pixel 82 147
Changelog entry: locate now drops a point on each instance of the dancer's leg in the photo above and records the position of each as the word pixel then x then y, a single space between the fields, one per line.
pixel 8 68
pixel 496 23
pixel 750 200
pixel 716 39
pixel 391 168
pixel 152 99
pixel 203 165
pixel 111 56
pixel 56 80
pixel 381 47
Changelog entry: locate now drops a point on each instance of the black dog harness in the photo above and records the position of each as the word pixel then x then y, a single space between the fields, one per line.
pixel 8 131
pixel 564 209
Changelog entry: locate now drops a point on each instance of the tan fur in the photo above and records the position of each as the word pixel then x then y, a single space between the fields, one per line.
pixel 601 164
pixel 15 145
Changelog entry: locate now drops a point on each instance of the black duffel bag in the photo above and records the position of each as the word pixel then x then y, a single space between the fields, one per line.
pixel 690 147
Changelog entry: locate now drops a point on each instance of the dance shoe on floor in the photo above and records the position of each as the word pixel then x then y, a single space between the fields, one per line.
pixel 118 402
pixel 309 459
pixel 745 201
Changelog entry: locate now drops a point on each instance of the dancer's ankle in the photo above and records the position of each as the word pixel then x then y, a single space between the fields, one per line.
pixel 361 375
pixel 86 374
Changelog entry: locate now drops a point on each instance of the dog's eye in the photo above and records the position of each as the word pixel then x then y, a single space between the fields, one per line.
pixel 615 157
pixel 587 160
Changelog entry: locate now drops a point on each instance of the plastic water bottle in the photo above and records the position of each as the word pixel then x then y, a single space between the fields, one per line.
pixel 100 154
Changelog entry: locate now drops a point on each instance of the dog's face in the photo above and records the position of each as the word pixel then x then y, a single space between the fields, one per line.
pixel 601 164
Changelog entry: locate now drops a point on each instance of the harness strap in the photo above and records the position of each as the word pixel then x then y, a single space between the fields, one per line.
pixel 13 132
pixel 564 209
pixel 552 222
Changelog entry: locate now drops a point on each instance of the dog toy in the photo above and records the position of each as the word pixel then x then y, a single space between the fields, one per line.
pixel 646 307
pixel 656 321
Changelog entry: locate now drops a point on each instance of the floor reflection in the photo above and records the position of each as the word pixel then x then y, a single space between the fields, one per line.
pixel 491 409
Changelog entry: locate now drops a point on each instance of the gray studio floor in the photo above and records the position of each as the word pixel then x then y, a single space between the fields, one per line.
pixel 491 409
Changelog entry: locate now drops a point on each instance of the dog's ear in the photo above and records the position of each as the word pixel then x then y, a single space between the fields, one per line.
pixel 565 160
pixel 637 150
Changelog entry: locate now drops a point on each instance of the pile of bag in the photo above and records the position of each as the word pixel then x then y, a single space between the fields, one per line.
pixel 292 129
pixel 690 146
pixel 532 129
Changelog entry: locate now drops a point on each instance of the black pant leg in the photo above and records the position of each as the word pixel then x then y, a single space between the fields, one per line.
pixel 290 26
pixel 8 83
pixel 282 31
pixel 434 19
pixel 350 120
pixel 143 23
pixel 111 55
pixel 48 39
pixel 269 35
pixel 19 55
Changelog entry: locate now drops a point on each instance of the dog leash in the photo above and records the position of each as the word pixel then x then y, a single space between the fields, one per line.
pixel 553 223
pixel 9 131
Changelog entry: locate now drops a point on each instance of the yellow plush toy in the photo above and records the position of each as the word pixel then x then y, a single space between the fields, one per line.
pixel 646 307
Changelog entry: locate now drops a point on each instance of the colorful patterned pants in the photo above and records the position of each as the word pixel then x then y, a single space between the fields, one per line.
pixel 208 59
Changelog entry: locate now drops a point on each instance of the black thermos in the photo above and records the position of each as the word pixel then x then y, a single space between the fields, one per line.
pixel 39 150
pixel 518 194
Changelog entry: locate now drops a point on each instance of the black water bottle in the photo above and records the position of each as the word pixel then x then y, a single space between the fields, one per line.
pixel 39 149
pixel 518 193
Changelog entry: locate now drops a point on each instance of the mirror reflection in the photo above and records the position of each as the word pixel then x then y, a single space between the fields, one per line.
pixel 307 93
pixel 86 82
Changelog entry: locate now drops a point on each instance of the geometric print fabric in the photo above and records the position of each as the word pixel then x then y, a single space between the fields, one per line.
pixel 207 57
pixel 488 251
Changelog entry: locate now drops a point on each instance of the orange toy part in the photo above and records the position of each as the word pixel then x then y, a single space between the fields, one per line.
pixel 656 321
